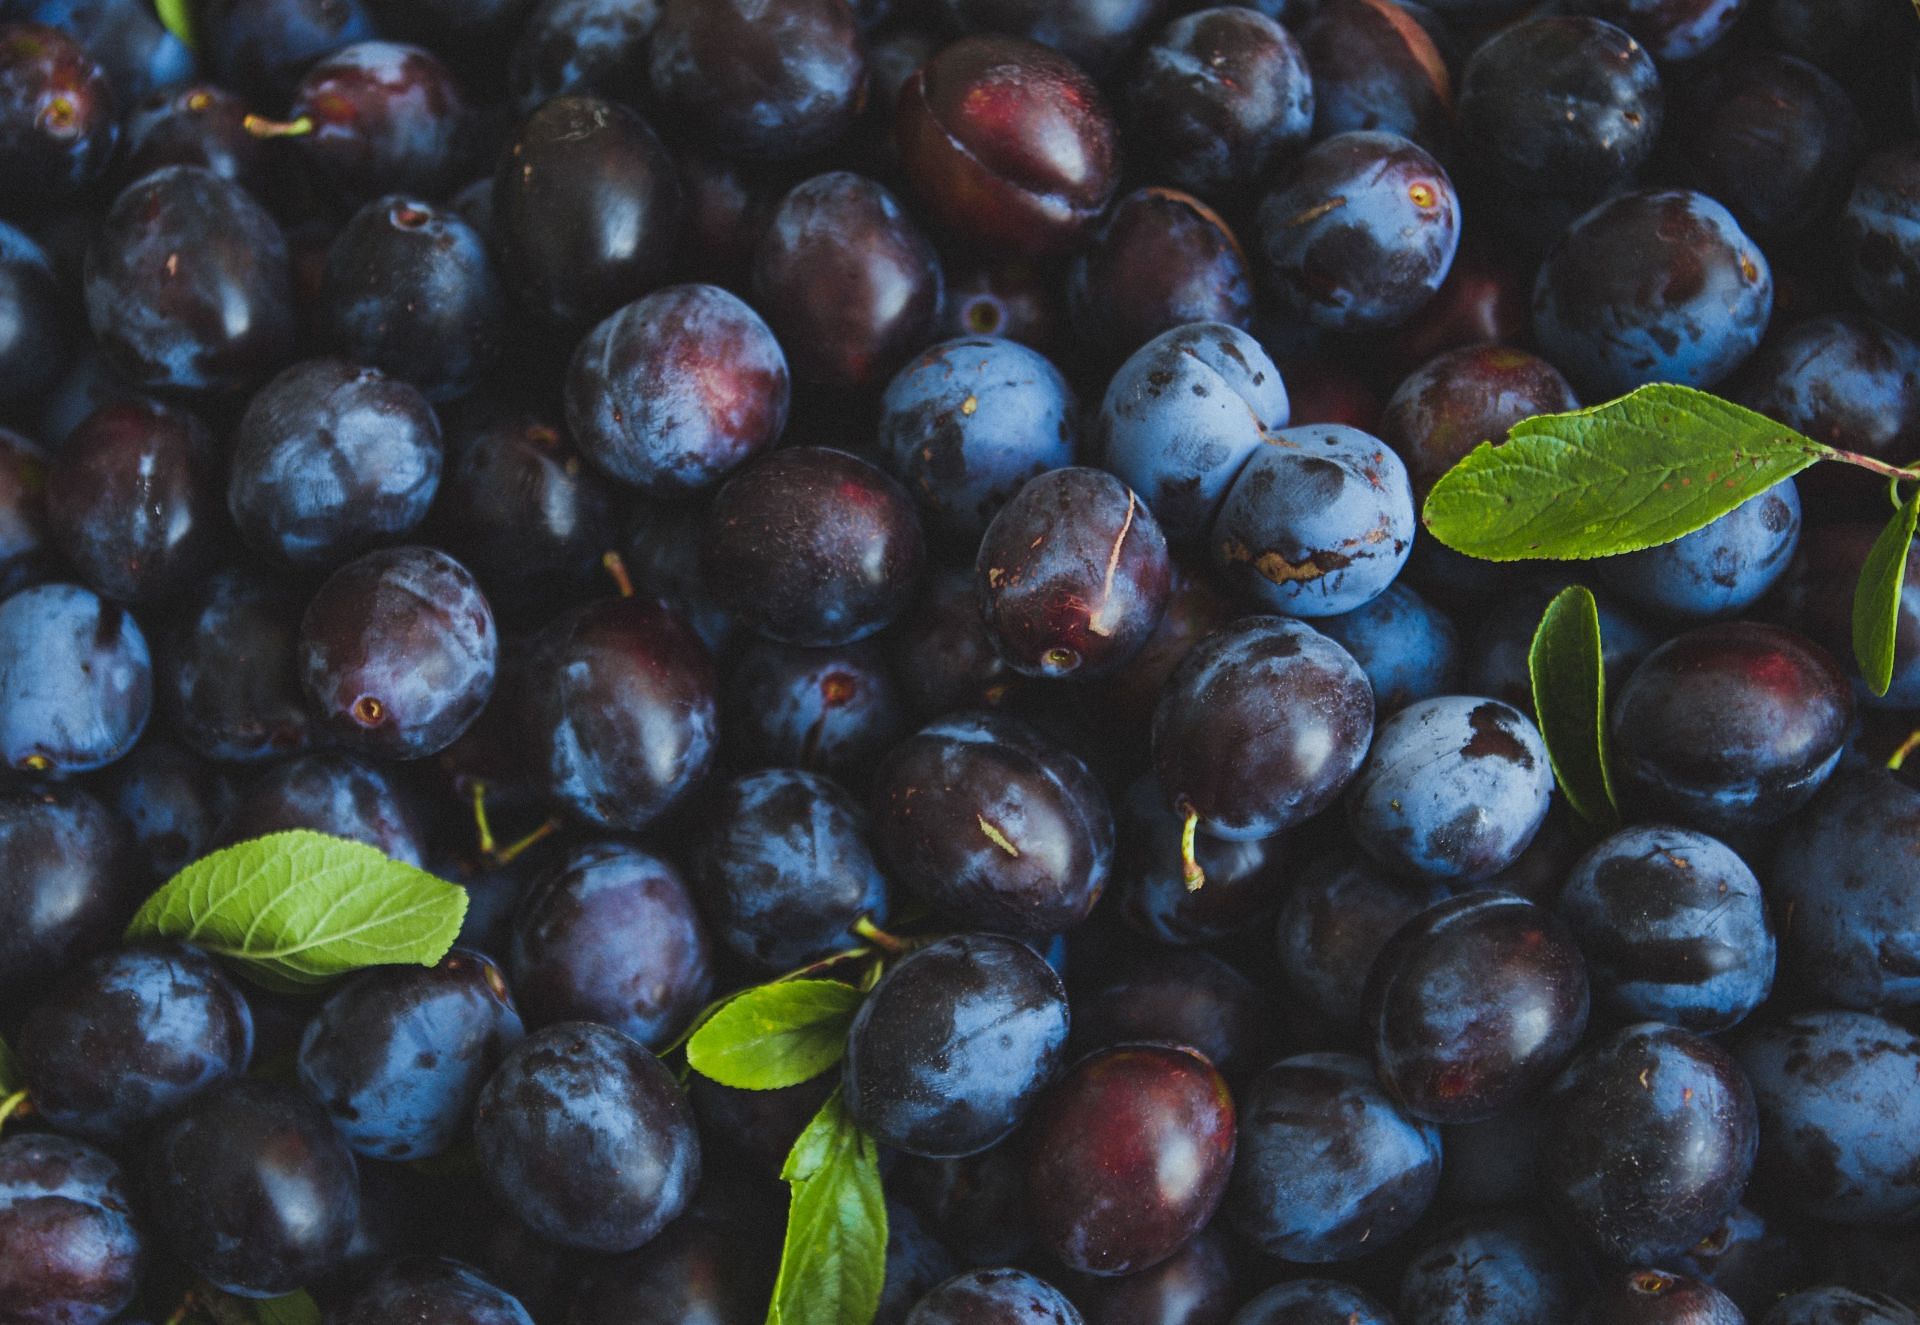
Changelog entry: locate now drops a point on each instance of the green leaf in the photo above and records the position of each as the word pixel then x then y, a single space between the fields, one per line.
pixel 295 1308
pixel 775 1035
pixel 834 1259
pixel 1876 599
pixel 9 1071
pixel 1633 473
pixel 297 909
pixel 176 16
pixel 1570 700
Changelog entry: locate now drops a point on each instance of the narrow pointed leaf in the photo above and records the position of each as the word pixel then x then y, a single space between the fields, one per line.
pixel 297 909
pixel 776 1035
pixel 1570 701
pixel 1633 473
pixel 834 1259
pixel 176 16
pixel 1876 599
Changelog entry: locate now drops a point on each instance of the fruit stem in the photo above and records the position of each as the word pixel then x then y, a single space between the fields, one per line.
pixel 617 567
pixel 12 1104
pixel 480 824
pixel 186 1308
pixel 262 127
pixel 507 854
pixel 1907 747
pixel 891 944
pixel 1189 862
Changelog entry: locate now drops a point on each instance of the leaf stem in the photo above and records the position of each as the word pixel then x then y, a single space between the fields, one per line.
pixel 262 127
pixel 1898 473
pixel 12 1104
pixel 1189 859
pixel 891 944
pixel 1907 747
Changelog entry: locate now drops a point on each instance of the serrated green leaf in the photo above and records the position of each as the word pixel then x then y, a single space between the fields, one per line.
pixel 296 909
pixel 1633 473
pixel 295 1308
pixel 1570 702
pixel 775 1035
pixel 9 1071
pixel 1876 599
pixel 834 1259
pixel 176 16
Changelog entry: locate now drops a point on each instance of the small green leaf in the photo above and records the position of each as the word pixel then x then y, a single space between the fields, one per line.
pixel 834 1259
pixel 299 908
pixel 176 16
pixel 1570 700
pixel 775 1035
pixel 1876 599
pixel 1633 473
pixel 9 1071
pixel 295 1308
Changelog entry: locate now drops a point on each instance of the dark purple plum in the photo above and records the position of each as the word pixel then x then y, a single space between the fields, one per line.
pixel 1011 298
pixel 609 934
pixel 262 46
pixel 1335 916
pixel 69 882
pixel 993 825
pixel 1197 1285
pixel 197 124
pixel 228 682
pixel 976 1205
pixel 584 1136
pixel 1458 399
pixel 953 1047
pixel 172 799
pixel 1838 1306
pixel 71 1247
pixel 1375 66
pixel 1002 1296
pixel 1313 1302
pixel 1657 1297
pixel 697 1270
pixel 1876 233
pixel 1186 997
pixel 1160 259
pixel 1497 1269
pixel 1098 34
pixel 35 321
pixel 1244 878
pixel 1474 1004
pixel 828 710
pixel 329 792
pixel 379 117
pixel 59 123
pixel 429 1287
pixel 594 48
pixel 676 390
pixel 943 654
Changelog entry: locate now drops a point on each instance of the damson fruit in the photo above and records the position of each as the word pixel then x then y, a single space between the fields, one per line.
pixel 1220 97
pixel 1473 1004
pixel 380 117
pixel 229 686
pixel 609 934
pixel 429 1288
pixel 34 331
pixel 1851 927
pixel 1876 233
pixel 618 709
pixel 1730 727
pixel 409 288
pixel 1194 1286
pixel 331 792
pixel 331 459
pixel 1650 1135
pixel 69 882
pixel 133 500
pixel 586 210
pixel 813 546
pixel 784 871
pixel 1073 575
pixel 1318 522
pixel 71 1250
pixel 1131 1152
pixel 173 800
pixel 197 124
pixel 942 653
pixel 76 680
pixel 1335 916
pixel 130 1036
pixel 580 48
pixel 847 280
pixel 1244 879
pixel 1098 34
pixel 262 46
pixel 1329 1167
pixel 188 285
pixel 697 1270
pixel 1376 67
pixel 398 1054
pixel 1718 570
pixel 1313 1302
pixel 1654 286
pixel 1657 1297
pixel 1182 415
pixel 1009 144
pixel 758 80
pixel 1454 788
pixel 1458 399
pixel 1189 998
pixel 58 121
pixel 261 1195
pixel 976 1205
pixel 993 825
pixel 676 390
pixel 1359 232
pixel 1160 259
pixel 969 421
pixel 1260 727
pixel 826 710
pixel 955 1044
pixel 584 1136
pixel 1673 926
pixel 1409 649
pixel 398 652
pixel 1491 1269
pixel 1003 1296
pixel 1833 1306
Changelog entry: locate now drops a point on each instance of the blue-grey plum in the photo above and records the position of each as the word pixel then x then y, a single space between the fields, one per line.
pixel 784 872
pixel 1244 878
pixel 1454 788
pixel 1329 1167
pixel 584 1136
pixel 1181 416
pixel 71 1248
pixel 1673 926
pixel 1652 286
pixel 1839 1118
pixel 428 1288
pixel 76 680
pixel 1000 1296
pixel 1313 1302
pixel 1850 931
pixel 1716 571
pixel 1408 648
pixel 398 1054
pixel 1492 1269
pixel 952 1048
pixel 1650 1136
pixel 831 711
pixel 1503 636
pixel 1318 522
pixel 1880 234
pixel 969 421
pixel 1839 1306
pixel 128 1037
pixel 329 792
pixel 1335 916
